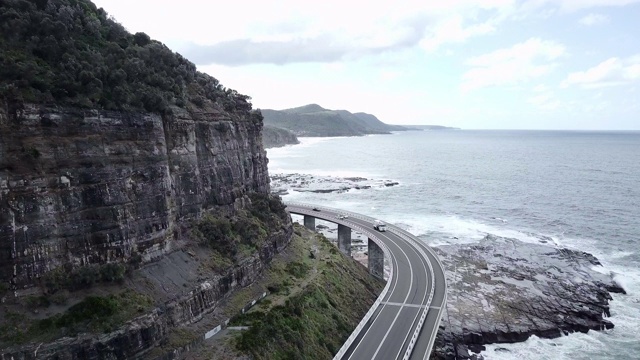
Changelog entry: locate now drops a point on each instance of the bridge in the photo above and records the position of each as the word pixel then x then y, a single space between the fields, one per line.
pixel 404 320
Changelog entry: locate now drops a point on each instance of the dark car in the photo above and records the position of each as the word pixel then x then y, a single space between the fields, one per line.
pixel 315 209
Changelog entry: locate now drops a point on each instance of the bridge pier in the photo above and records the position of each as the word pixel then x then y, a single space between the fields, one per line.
pixel 344 239
pixel 376 260
pixel 310 222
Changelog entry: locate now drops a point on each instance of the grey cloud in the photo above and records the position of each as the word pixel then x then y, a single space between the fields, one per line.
pixel 320 49
pixel 246 51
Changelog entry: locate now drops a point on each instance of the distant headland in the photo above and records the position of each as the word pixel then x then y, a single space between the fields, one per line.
pixel 283 126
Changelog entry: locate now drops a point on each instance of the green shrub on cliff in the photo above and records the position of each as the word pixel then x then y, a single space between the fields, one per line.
pixel 313 305
pixel 93 314
pixel 83 277
pixel 70 52
pixel 96 313
pixel 244 233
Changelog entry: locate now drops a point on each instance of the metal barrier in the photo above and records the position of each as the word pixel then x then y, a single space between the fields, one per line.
pixel 415 242
pixel 384 292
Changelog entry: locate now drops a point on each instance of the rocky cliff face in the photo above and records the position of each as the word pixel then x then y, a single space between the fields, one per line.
pixel 141 335
pixel 277 137
pixel 81 187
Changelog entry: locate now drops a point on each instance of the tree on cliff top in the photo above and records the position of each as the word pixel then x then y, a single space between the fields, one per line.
pixel 70 52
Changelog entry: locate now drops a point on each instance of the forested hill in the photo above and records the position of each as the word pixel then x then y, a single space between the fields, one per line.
pixel 314 120
pixel 69 52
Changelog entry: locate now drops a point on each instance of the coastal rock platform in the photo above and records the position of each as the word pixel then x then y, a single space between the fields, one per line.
pixel 503 290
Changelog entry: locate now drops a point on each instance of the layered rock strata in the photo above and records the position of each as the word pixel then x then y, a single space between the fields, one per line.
pixel 139 336
pixel 80 187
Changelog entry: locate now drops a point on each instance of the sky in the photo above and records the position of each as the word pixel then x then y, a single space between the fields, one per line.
pixel 491 64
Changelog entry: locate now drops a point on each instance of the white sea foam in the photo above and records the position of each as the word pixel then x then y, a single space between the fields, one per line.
pixel 625 315
pixel 553 213
pixel 459 230
pixel 283 169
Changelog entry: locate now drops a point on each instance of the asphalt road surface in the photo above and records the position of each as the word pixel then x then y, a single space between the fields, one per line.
pixel 405 321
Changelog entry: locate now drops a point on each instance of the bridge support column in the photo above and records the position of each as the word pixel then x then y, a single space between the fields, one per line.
pixel 376 260
pixel 310 222
pixel 344 239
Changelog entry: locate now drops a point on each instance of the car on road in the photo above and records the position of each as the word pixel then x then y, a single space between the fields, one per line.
pixel 380 226
pixel 342 216
pixel 315 209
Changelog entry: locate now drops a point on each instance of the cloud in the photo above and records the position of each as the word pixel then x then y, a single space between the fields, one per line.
pixel 330 46
pixel 328 30
pixel 320 49
pixel 594 19
pixel 544 101
pixel 452 30
pixel 247 51
pixel 611 72
pixel 521 62
pixel 575 5
pixel 540 88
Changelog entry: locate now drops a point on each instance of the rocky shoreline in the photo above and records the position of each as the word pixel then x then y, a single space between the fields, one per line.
pixel 500 290
pixel 503 290
pixel 281 184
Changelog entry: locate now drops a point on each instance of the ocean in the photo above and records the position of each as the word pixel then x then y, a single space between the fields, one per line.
pixel 579 190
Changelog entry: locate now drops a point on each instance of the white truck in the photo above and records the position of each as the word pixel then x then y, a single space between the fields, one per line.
pixel 379 225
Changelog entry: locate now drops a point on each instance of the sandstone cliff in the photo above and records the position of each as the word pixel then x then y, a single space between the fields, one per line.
pixel 112 148
pixel 87 188
pixel 80 187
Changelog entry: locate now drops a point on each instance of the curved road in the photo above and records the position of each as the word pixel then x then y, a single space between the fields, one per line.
pixel 404 321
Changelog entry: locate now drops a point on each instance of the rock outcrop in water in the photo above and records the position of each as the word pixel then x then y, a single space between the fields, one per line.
pixel 504 290
pixel 282 183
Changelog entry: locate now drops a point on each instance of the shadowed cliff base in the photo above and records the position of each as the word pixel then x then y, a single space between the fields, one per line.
pixel 316 297
pixel 138 313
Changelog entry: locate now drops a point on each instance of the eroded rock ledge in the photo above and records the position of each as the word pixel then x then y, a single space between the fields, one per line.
pixel 282 183
pixel 504 290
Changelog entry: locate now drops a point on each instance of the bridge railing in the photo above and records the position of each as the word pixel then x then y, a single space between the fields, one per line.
pixel 371 235
pixel 415 242
pixel 444 300
pixel 423 316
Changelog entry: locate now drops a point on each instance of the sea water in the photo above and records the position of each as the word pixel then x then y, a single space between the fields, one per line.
pixel 579 190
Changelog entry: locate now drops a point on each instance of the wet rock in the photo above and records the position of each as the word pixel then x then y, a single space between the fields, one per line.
pixel 503 291
pixel 283 183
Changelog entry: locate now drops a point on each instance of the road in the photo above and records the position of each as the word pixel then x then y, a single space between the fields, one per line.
pixel 404 321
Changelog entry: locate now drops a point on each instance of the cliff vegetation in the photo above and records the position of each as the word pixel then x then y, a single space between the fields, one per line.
pixel 273 136
pixel 134 192
pixel 314 120
pixel 316 297
pixel 69 52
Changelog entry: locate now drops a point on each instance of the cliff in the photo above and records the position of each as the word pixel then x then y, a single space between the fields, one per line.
pixel 134 193
pixel 277 137
pixel 314 120
pixel 81 187
pixel 85 189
